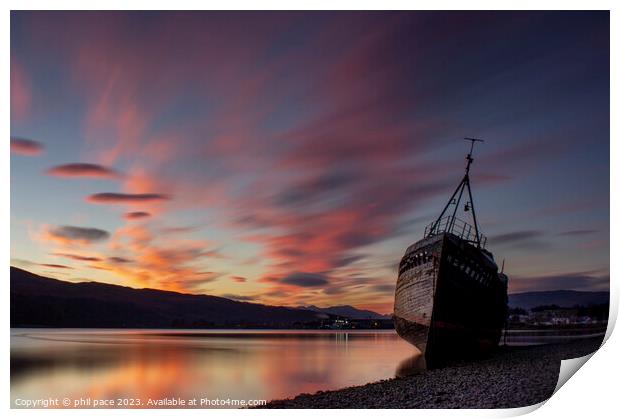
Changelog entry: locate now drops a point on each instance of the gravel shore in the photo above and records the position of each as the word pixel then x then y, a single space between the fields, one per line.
pixel 511 377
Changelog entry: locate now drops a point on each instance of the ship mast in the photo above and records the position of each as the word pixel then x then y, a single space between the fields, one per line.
pixel 468 205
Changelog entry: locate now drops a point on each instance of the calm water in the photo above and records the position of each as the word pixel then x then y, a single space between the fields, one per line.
pixel 214 364
pixel 248 365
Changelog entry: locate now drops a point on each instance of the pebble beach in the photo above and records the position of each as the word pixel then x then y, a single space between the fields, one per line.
pixel 511 377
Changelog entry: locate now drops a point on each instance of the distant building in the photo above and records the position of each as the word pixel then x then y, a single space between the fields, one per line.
pixel 340 324
pixel 553 316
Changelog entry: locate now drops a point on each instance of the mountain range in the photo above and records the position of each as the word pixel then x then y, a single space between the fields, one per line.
pixel 46 302
pixel 349 312
pixel 38 301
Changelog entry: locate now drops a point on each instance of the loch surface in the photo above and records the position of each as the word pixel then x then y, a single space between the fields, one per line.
pixel 186 364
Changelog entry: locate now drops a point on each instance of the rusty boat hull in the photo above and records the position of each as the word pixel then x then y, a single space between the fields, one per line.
pixel 450 301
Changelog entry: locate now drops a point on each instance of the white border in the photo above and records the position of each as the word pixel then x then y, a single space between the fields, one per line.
pixel 593 393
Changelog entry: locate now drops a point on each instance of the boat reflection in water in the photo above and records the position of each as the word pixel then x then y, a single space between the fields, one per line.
pixel 415 364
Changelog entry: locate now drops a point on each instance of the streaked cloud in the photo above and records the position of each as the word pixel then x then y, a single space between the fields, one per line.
pixel 25 147
pixel 516 236
pixel 78 170
pixel 75 235
pixel 55 265
pixel 118 259
pixel 579 281
pixel 21 91
pixel 136 215
pixel 303 279
pixel 531 239
pixel 126 198
pixel 573 233
pixel 178 230
pixel 384 288
pixel 298 161
pixel 81 258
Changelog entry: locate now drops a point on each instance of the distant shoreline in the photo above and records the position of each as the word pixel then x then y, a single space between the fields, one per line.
pixel 511 377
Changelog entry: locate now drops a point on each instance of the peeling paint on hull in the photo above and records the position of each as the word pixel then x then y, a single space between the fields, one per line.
pixel 450 301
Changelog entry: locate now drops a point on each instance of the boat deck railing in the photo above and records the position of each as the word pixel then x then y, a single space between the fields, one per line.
pixel 456 226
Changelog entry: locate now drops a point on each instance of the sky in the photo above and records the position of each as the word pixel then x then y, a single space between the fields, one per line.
pixel 289 158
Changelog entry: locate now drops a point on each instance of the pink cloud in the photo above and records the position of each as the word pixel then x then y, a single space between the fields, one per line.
pixel 125 198
pixel 136 215
pixel 80 258
pixel 21 94
pixel 88 170
pixel 310 221
pixel 54 265
pixel 72 235
pixel 26 147
pixel 311 155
